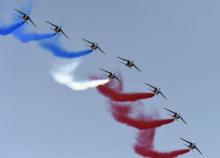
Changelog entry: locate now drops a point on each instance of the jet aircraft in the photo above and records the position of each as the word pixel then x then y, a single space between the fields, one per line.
pixel 94 46
pixel 175 115
pixel 156 90
pixel 57 29
pixel 25 17
pixel 129 63
pixel 191 145
pixel 111 75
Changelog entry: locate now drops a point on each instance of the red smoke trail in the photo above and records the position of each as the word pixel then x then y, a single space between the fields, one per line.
pixel 155 154
pixel 122 114
pixel 115 94
pixel 145 146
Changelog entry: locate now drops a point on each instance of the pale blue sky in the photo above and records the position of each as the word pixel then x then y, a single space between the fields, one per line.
pixel 174 42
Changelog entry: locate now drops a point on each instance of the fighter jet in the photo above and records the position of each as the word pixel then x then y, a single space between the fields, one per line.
pixel 57 29
pixel 156 90
pixel 129 63
pixel 175 115
pixel 25 17
pixel 191 145
pixel 111 75
pixel 93 45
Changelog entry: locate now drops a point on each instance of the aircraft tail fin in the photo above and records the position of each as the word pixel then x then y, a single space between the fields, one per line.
pixel 106 75
pixel 187 146
pixel 170 115
pixel 123 63
pixel 88 45
pixel 20 17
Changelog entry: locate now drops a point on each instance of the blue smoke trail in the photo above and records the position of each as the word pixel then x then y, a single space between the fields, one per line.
pixel 60 52
pixel 28 37
pixel 7 30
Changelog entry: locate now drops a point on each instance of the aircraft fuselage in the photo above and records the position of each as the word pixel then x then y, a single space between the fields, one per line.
pixel 192 146
pixel 26 18
pixel 112 76
pixel 176 116
pixel 57 29
pixel 156 91
pixel 130 63
pixel 94 46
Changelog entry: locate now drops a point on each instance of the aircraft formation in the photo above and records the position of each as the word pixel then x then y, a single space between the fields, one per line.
pixel 112 75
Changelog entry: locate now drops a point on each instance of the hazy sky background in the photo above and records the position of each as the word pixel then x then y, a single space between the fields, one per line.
pixel 174 42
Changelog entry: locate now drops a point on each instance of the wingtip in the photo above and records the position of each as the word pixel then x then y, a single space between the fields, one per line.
pixel 165 108
pixel 146 83
pixel 185 122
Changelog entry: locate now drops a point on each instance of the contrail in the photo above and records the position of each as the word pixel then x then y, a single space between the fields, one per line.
pixel 5 30
pixel 65 75
pixel 25 36
pixel 145 147
pixel 122 114
pixel 109 90
pixel 56 50
pixel 53 47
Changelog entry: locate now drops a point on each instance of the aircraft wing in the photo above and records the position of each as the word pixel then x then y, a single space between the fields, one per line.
pixel 163 95
pixel 20 12
pixel 32 22
pixel 87 41
pixel 117 78
pixel 123 59
pixel 183 120
pixel 64 34
pixel 51 24
pixel 186 141
pixel 170 110
pixel 105 71
pixel 137 67
pixel 198 150
pixel 149 85
pixel 101 50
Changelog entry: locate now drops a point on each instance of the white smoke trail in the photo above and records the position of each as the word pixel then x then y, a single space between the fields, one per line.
pixel 65 75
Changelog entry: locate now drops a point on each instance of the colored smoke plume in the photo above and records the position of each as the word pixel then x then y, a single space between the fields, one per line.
pixel 123 114
pixel 65 75
pixel 112 93
pixel 58 51
pixel 129 113
pixel 25 36
pixel 145 147
pixel 5 30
